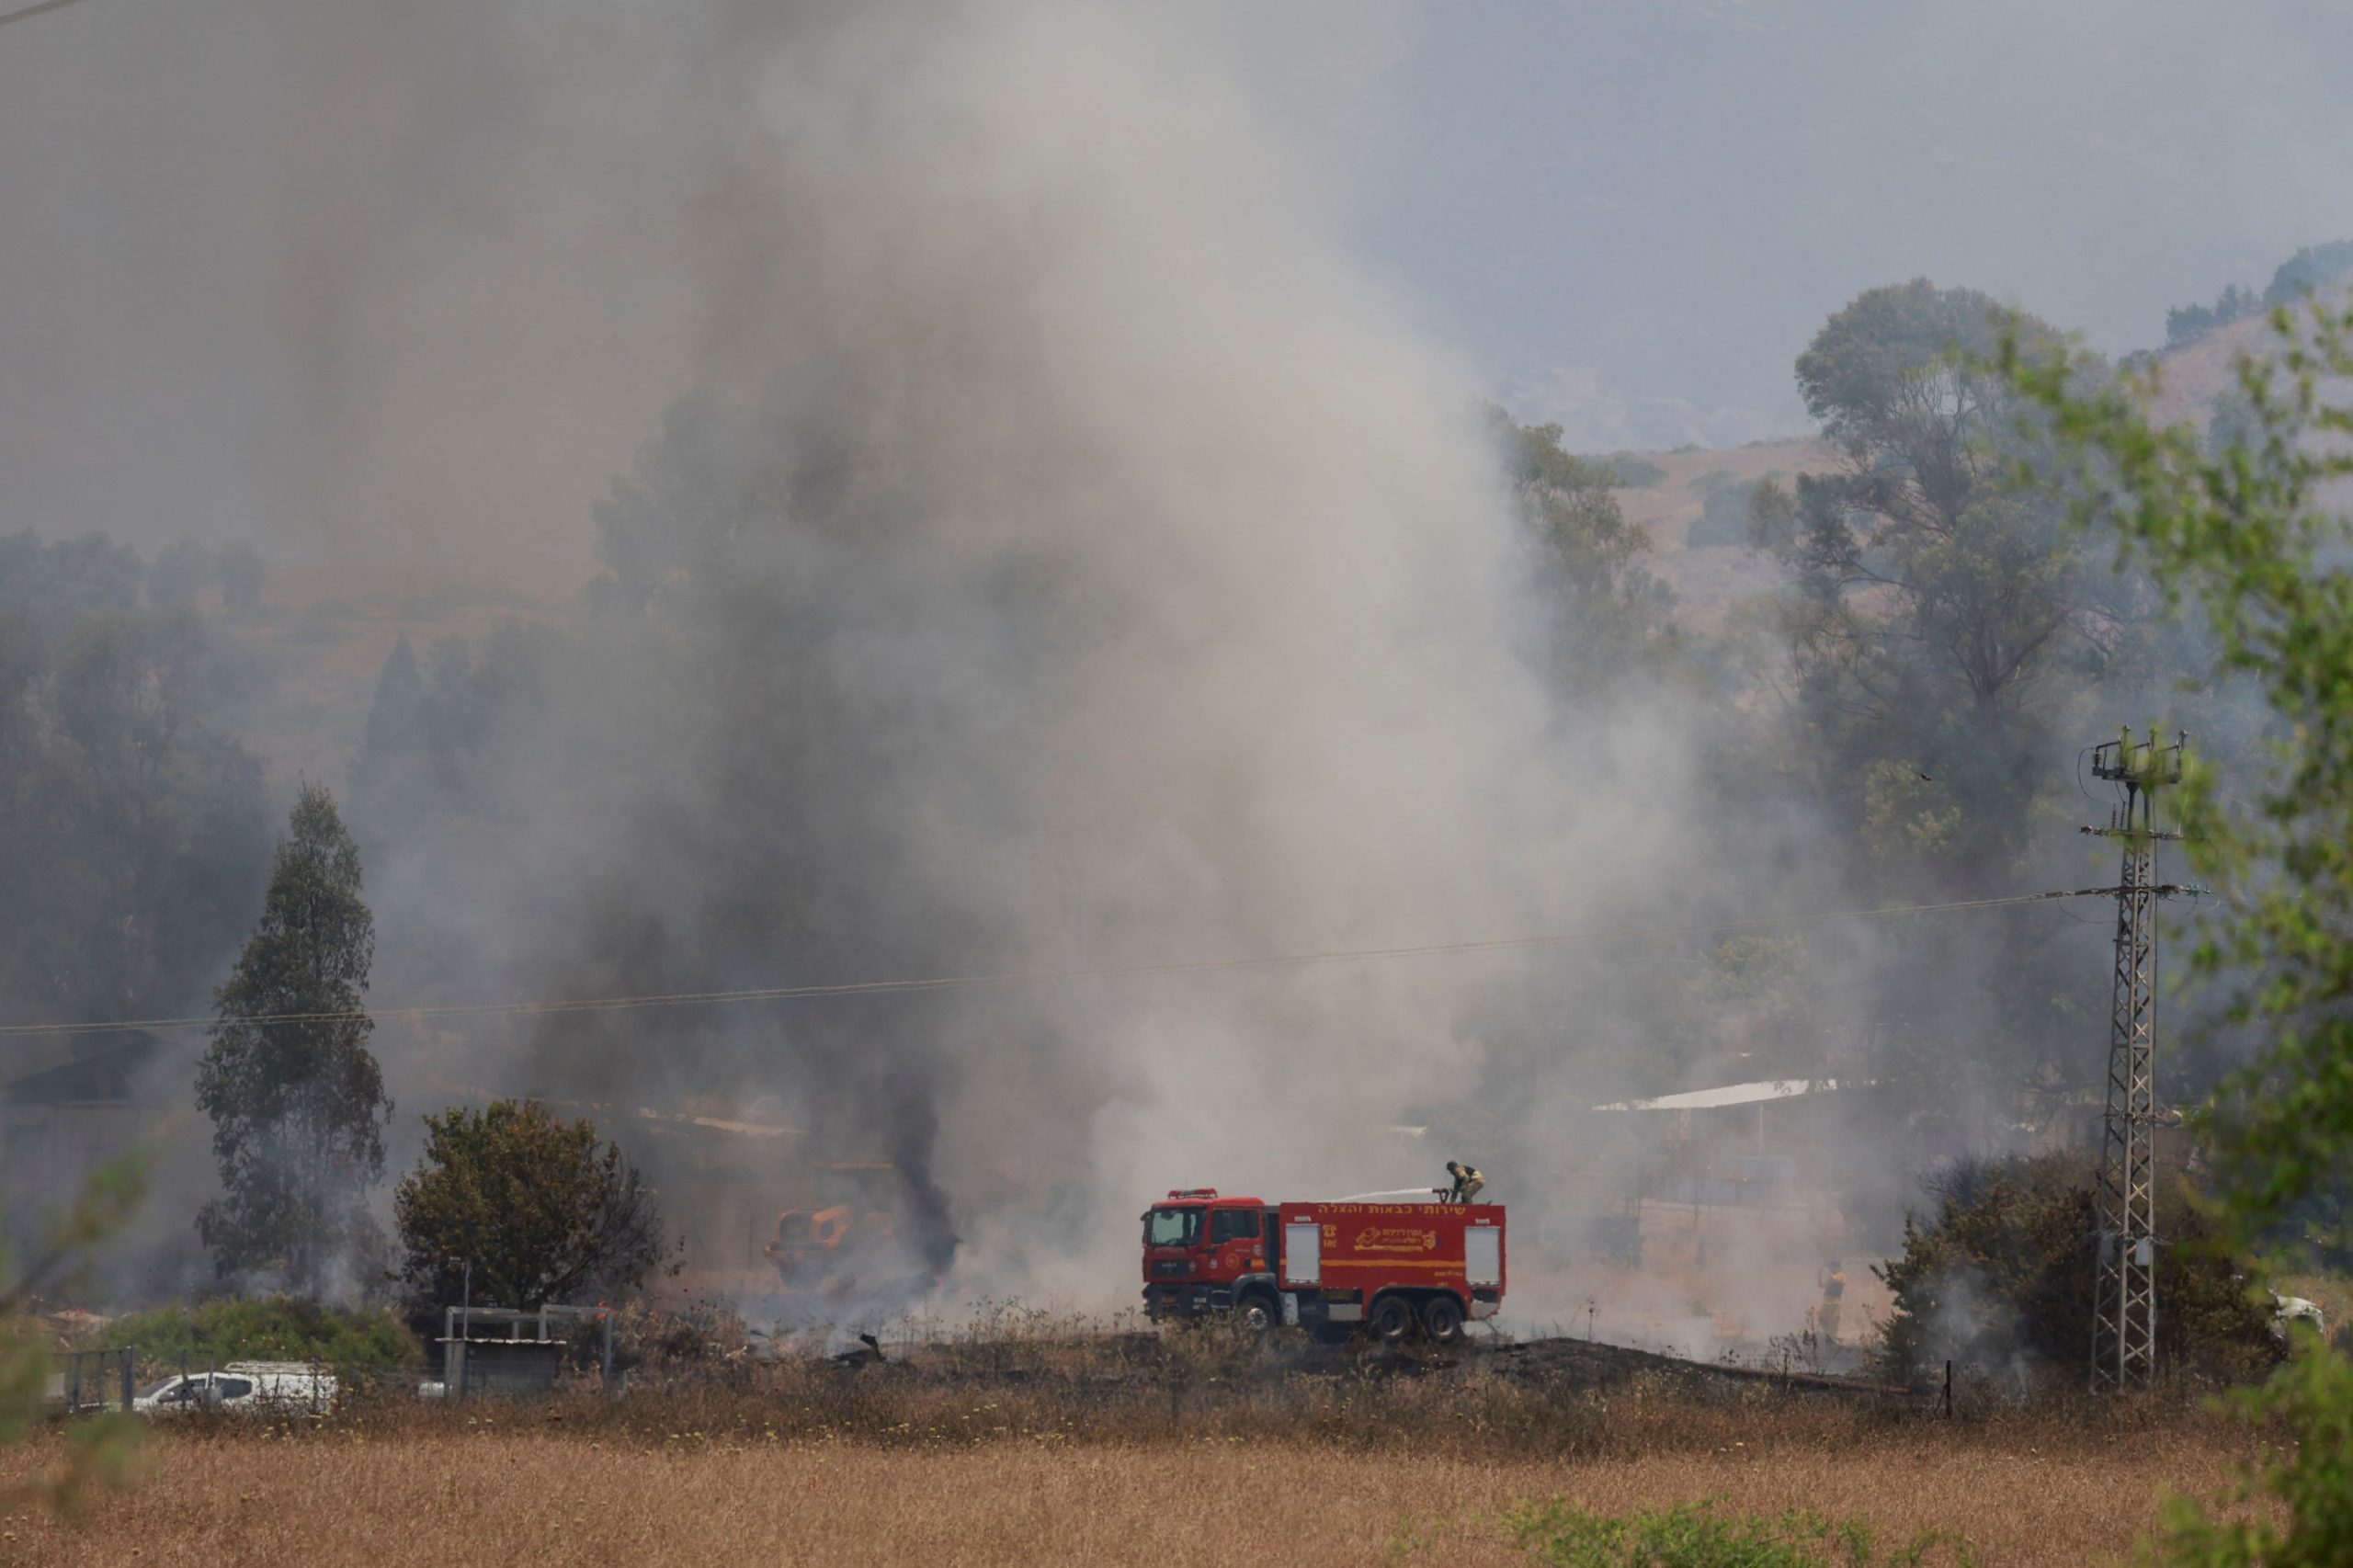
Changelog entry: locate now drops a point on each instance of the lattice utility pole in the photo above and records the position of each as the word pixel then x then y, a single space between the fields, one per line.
pixel 2124 1311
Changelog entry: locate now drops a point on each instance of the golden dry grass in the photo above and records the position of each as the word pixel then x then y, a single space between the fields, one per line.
pixel 443 1487
pixel 1051 1447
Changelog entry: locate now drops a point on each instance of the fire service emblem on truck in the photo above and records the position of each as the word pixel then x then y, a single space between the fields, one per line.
pixel 1390 1238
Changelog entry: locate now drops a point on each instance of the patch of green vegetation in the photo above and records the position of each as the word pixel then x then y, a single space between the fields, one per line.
pixel 1999 1269
pixel 267 1328
pixel 2253 536
pixel 1695 1535
pixel 1629 471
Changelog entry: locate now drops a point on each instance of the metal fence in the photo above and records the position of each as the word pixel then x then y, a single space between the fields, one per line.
pixel 85 1381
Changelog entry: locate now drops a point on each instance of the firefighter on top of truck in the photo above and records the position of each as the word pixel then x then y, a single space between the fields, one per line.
pixel 1467 1182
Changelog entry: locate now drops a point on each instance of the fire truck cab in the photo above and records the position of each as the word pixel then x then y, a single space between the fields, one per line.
pixel 1393 1265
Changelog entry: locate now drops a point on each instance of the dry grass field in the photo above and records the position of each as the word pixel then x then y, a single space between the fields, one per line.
pixel 495 1493
pixel 813 1467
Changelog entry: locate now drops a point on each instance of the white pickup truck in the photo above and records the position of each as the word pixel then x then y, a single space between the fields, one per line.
pixel 261 1386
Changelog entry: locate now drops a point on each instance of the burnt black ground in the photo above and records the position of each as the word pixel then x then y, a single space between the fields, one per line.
pixel 1207 1354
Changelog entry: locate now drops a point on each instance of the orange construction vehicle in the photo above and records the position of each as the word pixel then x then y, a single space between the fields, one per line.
pixel 852 1226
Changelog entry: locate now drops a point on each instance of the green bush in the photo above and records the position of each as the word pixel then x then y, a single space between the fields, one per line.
pixel 1695 1536
pixel 2003 1271
pixel 269 1328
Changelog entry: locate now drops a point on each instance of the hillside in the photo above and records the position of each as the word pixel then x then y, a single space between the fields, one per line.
pixel 1701 556
pixel 1713 571
pixel 2189 379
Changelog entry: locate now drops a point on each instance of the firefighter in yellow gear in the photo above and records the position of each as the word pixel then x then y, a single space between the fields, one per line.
pixel 1834 1298
pixel 1467 1182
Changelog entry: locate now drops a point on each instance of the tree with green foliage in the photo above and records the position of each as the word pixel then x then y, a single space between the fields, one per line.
pixel 1938 630
pixel 2310 268
pixel 1933 597
pixel 296 1098
pixel 529 1204
pixel 433 720
pixel 1723 511
pixel 132 829
pixel 2257 535
pixel 179 574
pixel 2185 324
pixel 1613 613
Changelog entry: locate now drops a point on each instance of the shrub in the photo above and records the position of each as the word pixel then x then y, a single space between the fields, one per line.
pixel 266 1328
pixel 2005 1268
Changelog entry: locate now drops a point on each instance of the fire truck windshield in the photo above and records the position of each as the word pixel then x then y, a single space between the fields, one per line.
pixel 1172 1227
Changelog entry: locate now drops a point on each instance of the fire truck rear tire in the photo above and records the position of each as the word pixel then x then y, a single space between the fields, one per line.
pixel 1391 1319
pixel 1442 1320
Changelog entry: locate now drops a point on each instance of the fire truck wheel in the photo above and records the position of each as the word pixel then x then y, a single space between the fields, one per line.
pixel 1392 1319
pixel 1442 1320
pixel 1257 1314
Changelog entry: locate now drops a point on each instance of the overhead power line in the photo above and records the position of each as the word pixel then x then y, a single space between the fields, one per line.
pixel 35 10
pixel 545 1008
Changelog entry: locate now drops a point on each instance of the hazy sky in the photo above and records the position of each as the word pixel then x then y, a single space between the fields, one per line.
pixel 1636 211
pixel 314 269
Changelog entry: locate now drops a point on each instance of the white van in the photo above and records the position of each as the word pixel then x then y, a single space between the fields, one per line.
pixel 261 1386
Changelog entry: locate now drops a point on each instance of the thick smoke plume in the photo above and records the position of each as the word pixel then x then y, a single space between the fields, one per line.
pixel 1099 573
pixel 1027 537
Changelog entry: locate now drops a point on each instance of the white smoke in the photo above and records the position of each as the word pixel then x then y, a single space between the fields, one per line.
pixel 1086 316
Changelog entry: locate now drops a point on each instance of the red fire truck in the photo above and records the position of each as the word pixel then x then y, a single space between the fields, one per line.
pixel 1393 1262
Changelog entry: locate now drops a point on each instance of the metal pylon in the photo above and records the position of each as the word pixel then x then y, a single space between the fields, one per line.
pixel 2124 1310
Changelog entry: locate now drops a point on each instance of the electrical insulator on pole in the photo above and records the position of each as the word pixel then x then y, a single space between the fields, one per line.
pixel 2124 1310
